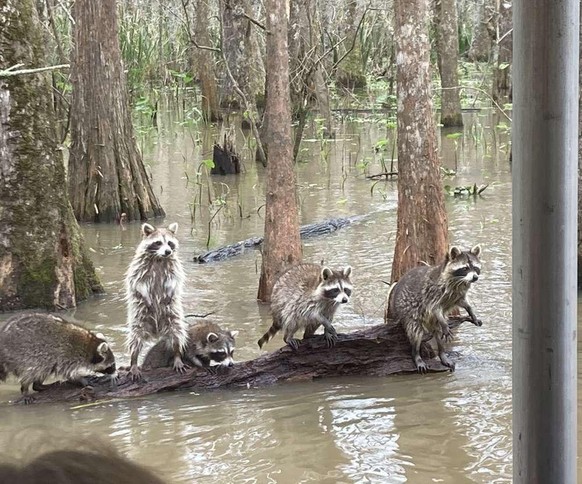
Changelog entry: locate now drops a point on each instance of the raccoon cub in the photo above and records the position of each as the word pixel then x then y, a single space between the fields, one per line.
pixel 307 296
pixel 209 346
pixel 423 298
pixel 34 346
pixel 153 284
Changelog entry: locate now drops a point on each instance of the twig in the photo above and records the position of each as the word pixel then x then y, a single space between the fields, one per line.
pixel 379 175
pixel 256 22
pixel 355 39
pixel 15 71
pixel 199 315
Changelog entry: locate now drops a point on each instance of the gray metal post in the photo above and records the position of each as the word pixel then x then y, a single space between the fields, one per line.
pixel 545 173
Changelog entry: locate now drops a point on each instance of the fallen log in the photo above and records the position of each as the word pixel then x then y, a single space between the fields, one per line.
pixel 306 231
pixel 381 350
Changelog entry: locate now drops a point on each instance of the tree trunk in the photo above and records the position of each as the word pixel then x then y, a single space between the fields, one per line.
pixel 380 351
pixel 282 245
pixel 503 50
pixel 242 54
pixel 205 63
pixel 580 162
pixel 421 234
pixel 350 71
pixel 484 34
pixel 306 68
pixel 43 261
pixel 448 51
pixel 106 173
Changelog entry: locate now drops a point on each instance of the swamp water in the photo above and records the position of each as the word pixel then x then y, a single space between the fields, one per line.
pixel 449 427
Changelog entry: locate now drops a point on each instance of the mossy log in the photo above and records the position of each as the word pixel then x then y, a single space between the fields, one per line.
pixel 306 231
pixel 380 350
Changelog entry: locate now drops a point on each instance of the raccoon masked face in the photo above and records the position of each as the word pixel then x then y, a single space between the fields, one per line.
pixel 336 285
pixel 103 360
pixel 159 242
pixel 464 266
pixel 220 348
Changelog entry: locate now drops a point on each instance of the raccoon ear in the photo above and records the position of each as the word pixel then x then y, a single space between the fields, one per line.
pixel 233 333
pixel 173 228
pixel 326 273
pixel 347 271
pixel 103 348
pixel 100 335
pixel 476 250
pixel 454 252
pixel 147 229
pixel 212 337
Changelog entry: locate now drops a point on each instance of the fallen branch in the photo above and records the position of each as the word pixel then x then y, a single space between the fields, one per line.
pixel 306 231
pixel 381 350
pixel 380 175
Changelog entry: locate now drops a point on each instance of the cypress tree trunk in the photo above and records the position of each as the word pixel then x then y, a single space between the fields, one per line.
pixel 43 262
pixel 503 52
pixel 106 173
pixel 205 64
pixel 421 234
pixel 448 52
pixel 282 245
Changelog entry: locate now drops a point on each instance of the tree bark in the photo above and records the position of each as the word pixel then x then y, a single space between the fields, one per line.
pixel 350 71
pixel 205 64
pixel 503 52
pixel 421 234
pixel 484 34
pixel 43 261
pixel 580 163
pixel 282 245
pixel 380 351
pixel 106 173
pixel 242 54
pixel 448 53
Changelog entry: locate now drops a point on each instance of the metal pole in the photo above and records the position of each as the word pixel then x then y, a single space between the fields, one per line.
pixel 545 173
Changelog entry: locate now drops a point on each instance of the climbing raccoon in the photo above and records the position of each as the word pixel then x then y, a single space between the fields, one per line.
pixel 209 346
pixel 34 346
pixel 423 298
pixel 154 284
pixel 307 296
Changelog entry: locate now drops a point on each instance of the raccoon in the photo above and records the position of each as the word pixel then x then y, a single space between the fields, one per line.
pixel 209 346
pixel 423 298
pixel 154 284
pixel 307 296
pixel 34 346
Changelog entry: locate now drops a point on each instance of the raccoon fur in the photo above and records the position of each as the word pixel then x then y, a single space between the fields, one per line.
pixel 34 346
pixel 423 298
pixel 209 346
pixel 154 283
pixel 307 296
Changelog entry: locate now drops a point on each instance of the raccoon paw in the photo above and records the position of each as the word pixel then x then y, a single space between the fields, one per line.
pixel 421 367
pixel 135 373
pixel 447 362
pixel 330 338
pixel 448 335
pixel 477 322
pixel 26 399
pixel 293 343
pixel 213 370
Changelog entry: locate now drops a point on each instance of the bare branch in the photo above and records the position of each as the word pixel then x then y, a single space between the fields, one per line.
pixel 15 71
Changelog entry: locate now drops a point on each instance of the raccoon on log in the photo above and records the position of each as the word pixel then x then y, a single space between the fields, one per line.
pixel 424 297
pixel 307 296
pixel 35 346
pixel 154 283
pixel 209 346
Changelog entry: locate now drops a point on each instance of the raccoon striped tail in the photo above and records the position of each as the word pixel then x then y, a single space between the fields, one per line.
pixel 268 335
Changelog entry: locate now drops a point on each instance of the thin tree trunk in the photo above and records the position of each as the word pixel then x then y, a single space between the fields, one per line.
pixel 484 34
pixel 448 49
pixel 421 234
pixel 580 163
pixel 205 64
pixel 106 173
pixel 43 260
pixel 282 245
pixel 503 51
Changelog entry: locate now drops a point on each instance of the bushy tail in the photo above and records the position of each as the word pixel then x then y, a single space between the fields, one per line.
pixel 268 335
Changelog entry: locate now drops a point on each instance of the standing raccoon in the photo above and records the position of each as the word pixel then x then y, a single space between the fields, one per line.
pixel 154 284
pixel 34 346
pixel 209 346
pixel 307 296
pixel 423 298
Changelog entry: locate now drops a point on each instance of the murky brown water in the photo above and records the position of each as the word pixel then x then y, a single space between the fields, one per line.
pixel 438 428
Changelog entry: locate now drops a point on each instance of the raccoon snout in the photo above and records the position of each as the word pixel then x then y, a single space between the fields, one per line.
pixel 344 300
pixel 110 370
pixel 168 252
pixel 475 277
